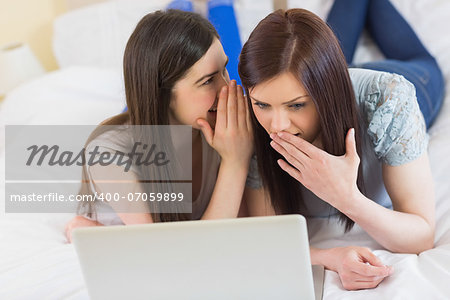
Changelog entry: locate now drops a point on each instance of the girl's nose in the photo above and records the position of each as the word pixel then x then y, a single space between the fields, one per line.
pixel 279 122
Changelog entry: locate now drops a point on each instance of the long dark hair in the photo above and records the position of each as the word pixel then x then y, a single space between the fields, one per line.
pixel 299 42
pixel 160 51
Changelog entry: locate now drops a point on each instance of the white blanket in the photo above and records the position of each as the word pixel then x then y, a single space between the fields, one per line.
pixel 37 263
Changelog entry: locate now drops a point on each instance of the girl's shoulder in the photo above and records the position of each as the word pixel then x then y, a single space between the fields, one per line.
pixel 391 115
pixel 380 85
pixel 112 138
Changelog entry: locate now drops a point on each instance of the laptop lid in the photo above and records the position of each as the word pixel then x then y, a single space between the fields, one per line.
pixel 244 258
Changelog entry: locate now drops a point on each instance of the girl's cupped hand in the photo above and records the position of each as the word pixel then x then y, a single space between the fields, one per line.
pixel 232 136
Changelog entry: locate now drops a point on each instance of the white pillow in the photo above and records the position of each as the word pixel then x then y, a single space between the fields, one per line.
pixel 96 35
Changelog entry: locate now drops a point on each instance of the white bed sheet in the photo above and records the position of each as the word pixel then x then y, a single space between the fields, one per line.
pixel 37 263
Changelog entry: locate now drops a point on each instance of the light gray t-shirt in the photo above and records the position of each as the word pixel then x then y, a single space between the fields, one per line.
pixel 394 133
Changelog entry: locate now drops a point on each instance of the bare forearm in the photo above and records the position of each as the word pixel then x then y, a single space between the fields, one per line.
pixel 394 230
pixel 319 257
pixel 227 195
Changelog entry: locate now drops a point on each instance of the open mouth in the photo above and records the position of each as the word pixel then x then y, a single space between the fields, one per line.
pixel 212 116
pixel 213 108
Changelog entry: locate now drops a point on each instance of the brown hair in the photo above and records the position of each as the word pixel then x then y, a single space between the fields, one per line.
pixel 299 42
pixel 159 52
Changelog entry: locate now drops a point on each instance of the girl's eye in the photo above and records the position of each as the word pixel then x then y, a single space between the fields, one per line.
pixel 297 106
pixel 260 105
pixel 208 81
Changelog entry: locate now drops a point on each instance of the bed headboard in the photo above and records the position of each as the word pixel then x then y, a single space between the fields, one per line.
pixel 74 4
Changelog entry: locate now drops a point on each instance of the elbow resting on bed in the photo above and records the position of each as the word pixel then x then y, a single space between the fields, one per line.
pixel 417 245
pixel 424 245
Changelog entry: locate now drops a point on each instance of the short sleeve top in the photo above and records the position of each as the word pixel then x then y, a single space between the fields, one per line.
pixel 391 115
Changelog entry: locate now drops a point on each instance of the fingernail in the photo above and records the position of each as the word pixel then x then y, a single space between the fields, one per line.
pixel 272 136
pixel 352 131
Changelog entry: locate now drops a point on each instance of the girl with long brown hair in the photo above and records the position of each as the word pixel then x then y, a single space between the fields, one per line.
pixel 175 74
pixel 337 142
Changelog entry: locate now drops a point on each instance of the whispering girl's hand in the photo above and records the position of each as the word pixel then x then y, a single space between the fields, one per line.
pixel 232 136
pixel 331 178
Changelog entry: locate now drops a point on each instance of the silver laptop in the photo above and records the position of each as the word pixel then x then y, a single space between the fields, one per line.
pixel 244 258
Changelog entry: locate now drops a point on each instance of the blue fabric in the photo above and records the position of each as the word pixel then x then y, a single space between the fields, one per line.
pixel 404 52
pixel 221 15
pixel 185 5
pixel 348 31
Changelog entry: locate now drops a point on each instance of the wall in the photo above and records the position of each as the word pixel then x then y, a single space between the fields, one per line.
pixel 30 21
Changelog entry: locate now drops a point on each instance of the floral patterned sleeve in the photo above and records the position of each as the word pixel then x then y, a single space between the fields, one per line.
pixel 396 125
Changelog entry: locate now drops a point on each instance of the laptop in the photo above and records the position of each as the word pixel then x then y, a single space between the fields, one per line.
pixel 244 258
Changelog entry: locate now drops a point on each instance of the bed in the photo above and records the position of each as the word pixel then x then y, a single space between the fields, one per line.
pixel 36 262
